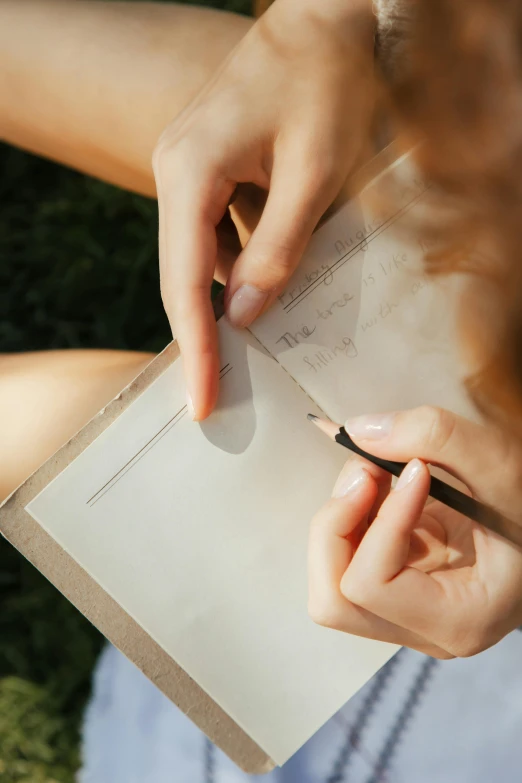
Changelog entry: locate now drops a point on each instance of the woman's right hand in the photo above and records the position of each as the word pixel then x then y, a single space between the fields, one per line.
pixel 387 565
pixel 288 111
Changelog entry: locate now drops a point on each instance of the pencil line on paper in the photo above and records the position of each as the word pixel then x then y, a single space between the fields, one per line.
pixel 343 259
pixel 127 464
pixel 135 461
pixel 347 256
pixel 146 448
pixel 225 373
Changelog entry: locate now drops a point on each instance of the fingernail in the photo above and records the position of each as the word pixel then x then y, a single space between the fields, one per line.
pixel 409 474
pixel 371 427
pixel 245 305
pixel 190 407
pixel 350 483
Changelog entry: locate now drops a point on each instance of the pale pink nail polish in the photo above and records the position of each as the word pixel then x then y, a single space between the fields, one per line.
pixel 410 473
pixel 372 427
pixel 349 483
pixel 245 305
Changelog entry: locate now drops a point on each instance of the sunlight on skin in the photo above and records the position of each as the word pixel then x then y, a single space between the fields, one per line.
pixel 45 398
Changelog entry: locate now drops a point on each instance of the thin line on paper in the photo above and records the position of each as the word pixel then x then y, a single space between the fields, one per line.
pixel 146 448
pixel 347 256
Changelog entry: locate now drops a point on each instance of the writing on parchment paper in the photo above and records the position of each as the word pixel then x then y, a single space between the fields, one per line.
pixel 323 272
pixel 386 308
pixel 347 247
pixel 291 339
pixel 345 347
pixel 358 240
pixel 395 265
pixel 336 305
pixel 321 359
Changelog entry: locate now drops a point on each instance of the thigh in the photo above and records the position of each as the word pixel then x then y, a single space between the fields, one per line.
pixel 136 66
pixel 45 398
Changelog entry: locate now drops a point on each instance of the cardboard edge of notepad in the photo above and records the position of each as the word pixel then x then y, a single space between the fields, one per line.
pixel 34 543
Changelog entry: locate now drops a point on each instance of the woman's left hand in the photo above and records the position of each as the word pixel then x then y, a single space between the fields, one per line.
pixel 385 564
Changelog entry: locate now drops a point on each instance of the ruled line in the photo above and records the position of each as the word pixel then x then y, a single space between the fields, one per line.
pixel 136 458
pixel 146 448
pixel 351 253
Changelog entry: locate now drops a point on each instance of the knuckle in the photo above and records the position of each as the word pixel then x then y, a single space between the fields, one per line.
pixel 438 425
pixel 325 515
pixel 273 261
pixel 229 106
pixel 467 648
pixel 324 613
pixel 357 590
pixel 442 655
pixel 472 641
pixel 170 155
pixel 161 154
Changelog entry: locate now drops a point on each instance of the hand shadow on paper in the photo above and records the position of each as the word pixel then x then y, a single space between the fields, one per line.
pixel 231 427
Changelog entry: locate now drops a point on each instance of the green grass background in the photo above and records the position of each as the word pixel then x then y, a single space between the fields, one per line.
pixel 78 268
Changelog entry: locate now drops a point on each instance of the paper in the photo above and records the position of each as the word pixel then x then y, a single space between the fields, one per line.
pixel 358 326
pixel 200 533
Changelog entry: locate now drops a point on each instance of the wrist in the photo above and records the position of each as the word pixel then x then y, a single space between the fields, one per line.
pixel 335 11
pixel 347 19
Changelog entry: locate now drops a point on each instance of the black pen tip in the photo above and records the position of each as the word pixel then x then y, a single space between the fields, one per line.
pixel 311 417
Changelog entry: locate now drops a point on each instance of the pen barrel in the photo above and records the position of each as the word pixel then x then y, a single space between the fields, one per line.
pixel 395 468
pixel 461 502
pixel 445 493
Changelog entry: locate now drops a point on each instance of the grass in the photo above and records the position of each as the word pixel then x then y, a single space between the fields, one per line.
pixel 78 268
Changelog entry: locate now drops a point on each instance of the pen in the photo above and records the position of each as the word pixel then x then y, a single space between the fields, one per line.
pixel 439 490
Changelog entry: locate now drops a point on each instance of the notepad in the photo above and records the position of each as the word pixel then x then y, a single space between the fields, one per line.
pixel 193 536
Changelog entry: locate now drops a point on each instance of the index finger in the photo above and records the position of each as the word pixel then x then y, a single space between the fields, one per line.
pixel 191 203
pixel 330 548
pixel 379 578
pixel 330 553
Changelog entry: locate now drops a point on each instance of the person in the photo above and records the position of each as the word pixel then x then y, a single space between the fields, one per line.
pixel 87 117
pixel 85 120
pixel 274 115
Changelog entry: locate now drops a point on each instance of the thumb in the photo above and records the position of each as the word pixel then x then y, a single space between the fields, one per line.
pixel 480 456
pixel 300 192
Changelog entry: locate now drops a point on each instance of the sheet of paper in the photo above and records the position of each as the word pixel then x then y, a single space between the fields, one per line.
pixel 358 326
pixel 200 533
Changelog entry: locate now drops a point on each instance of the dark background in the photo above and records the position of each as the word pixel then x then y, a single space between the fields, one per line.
pixel 78 268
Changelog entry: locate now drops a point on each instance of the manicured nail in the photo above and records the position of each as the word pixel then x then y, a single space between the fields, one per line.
pixel 245 305
pixel 190 407
pixel 350 483
pixel 409 474
pixel 371 427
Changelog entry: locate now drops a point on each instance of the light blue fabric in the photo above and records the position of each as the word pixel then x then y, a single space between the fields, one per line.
pixel 417 721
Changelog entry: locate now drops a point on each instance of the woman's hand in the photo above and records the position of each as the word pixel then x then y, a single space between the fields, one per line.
pixel 386 564
pixel 288 112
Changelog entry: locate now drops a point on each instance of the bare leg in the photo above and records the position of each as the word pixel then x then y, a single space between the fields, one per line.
pixel 93 84
pixel 45 398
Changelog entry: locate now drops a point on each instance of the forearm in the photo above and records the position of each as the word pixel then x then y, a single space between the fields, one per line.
pixel 93 84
